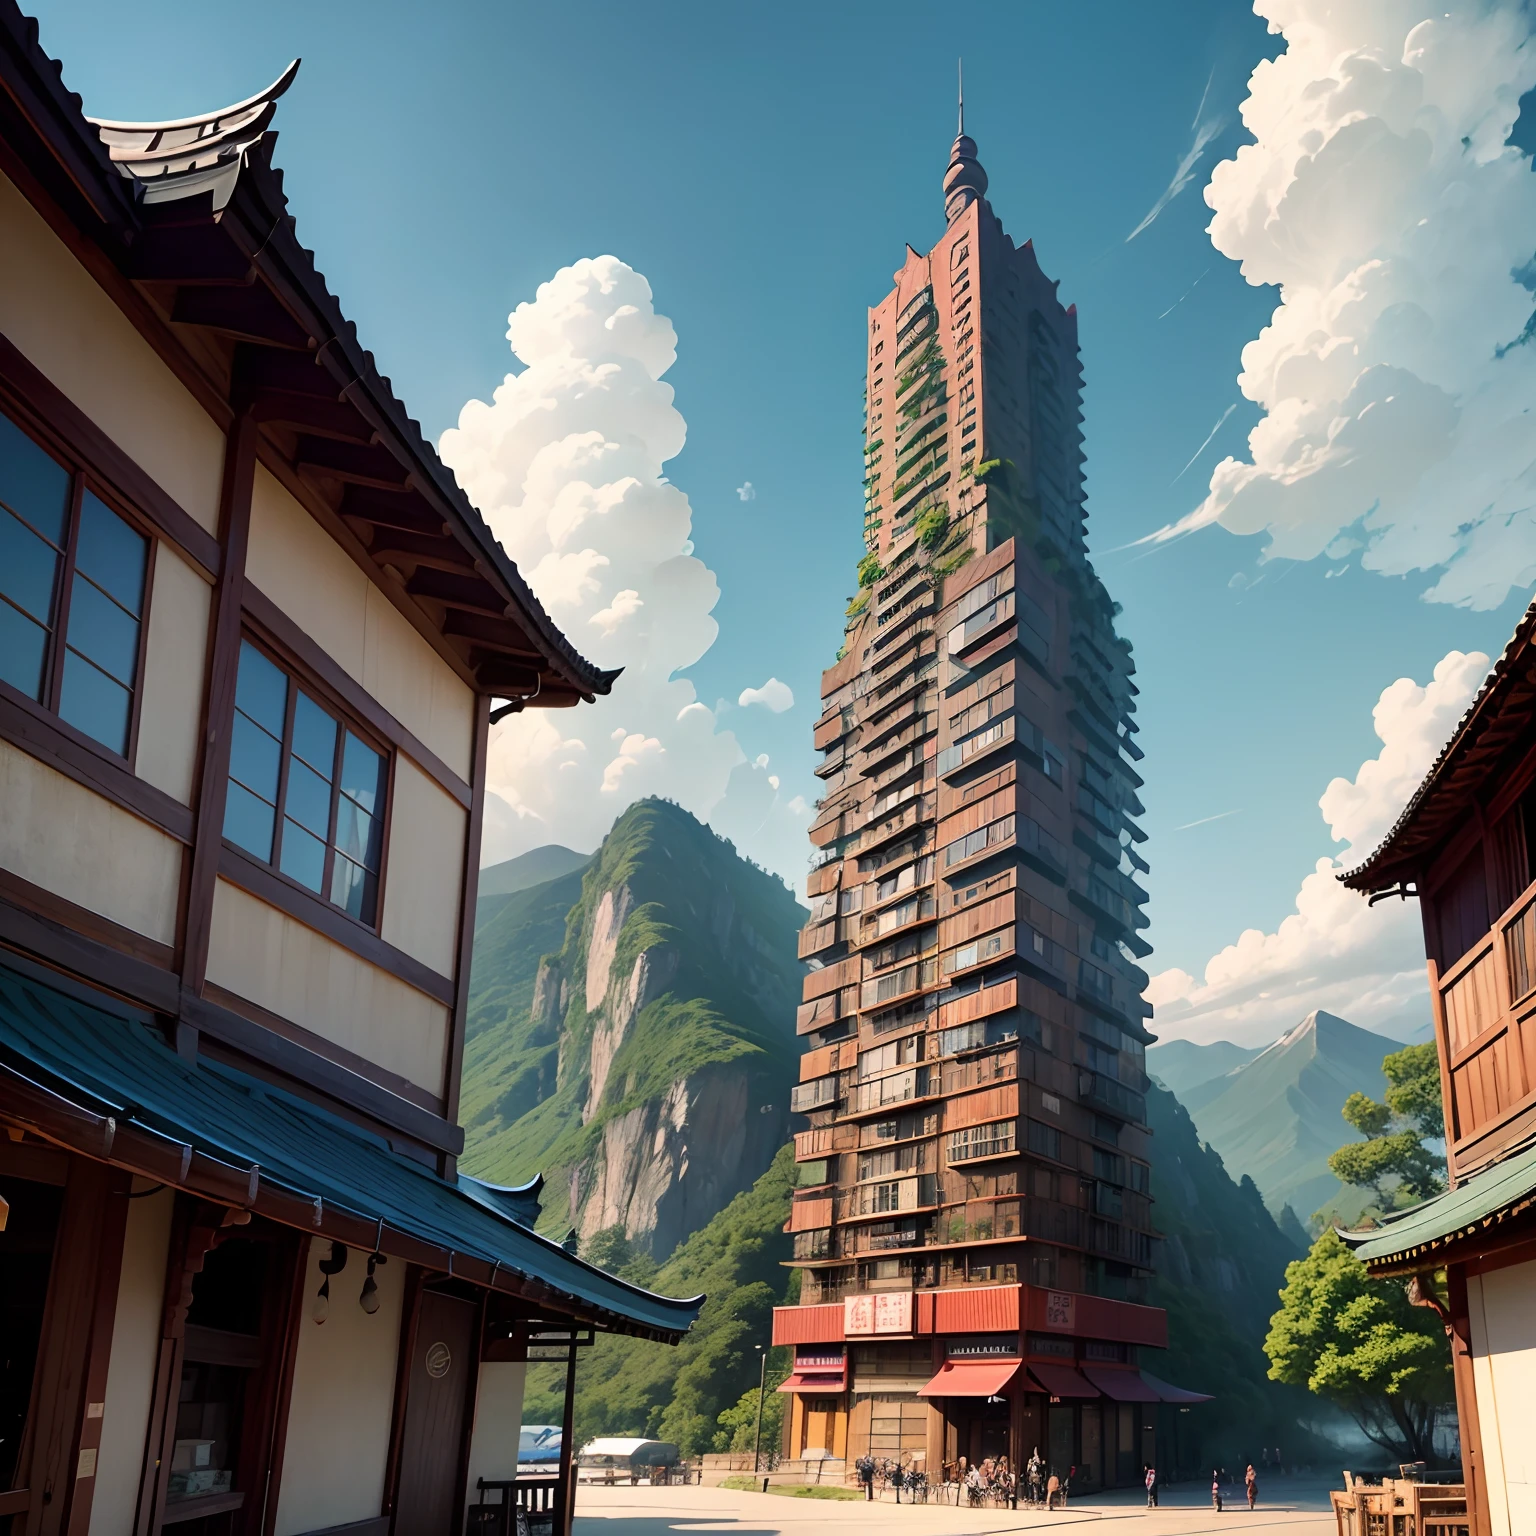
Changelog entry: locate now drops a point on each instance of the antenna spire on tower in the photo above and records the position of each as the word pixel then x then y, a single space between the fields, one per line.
pixel 960 75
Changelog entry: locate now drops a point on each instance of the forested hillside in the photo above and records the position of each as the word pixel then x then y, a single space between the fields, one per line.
pixel 632 1387
pixel 1220 1269
pixel 632 1032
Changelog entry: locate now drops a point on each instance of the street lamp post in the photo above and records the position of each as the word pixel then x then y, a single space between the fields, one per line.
pixel 757 1438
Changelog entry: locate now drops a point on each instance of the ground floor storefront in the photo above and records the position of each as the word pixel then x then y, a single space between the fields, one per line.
pixel 941 1404
pixel 225 1311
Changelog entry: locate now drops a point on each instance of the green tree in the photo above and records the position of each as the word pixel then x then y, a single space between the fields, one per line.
pixel 738 1424
pixel 612 1250
pixel 1360 1343
pixel 1393 1156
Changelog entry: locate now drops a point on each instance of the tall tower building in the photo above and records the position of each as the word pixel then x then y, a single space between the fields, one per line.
pixel 973 1224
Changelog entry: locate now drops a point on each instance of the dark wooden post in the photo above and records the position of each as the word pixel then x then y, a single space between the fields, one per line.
pixel 567 1443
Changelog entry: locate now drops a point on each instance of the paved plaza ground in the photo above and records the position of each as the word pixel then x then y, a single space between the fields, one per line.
pixel 1298 1508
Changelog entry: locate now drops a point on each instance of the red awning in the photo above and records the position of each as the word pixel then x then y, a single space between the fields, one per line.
pixel 1120 1384
pixel 815 1382
pixel 1061 1381
pixel 972 1378
pixel 1170 1394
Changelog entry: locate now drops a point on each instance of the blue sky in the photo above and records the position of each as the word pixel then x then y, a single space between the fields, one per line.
pixel 763 168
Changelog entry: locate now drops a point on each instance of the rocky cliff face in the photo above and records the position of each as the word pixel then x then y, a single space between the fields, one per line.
pixel 644 1065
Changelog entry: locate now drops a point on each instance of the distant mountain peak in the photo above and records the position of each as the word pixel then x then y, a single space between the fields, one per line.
pixel 1277 1116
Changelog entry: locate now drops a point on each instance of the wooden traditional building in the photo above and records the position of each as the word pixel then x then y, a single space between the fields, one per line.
pixel 252 639
pixel 1465 846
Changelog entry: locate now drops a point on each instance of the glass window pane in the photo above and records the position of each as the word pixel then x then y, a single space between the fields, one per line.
pixel 261 690
pixel 303 857
pixel 248 822
pixel 100 630
pixel 353 888
pixel 33 483
pixel 362 774
pixel 28 567
pixel 254 759
pixel 357 833
pixel 92 702
pixel 111 553
pixel 22 645
pixel 308 799
pixel 314 736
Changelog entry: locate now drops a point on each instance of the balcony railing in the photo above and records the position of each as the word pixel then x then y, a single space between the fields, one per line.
pixel 898 1088
pixel 815 1094
pixel 824 1140
pixel 1002 1139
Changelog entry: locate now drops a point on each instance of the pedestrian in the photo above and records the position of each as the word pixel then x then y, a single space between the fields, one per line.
pixel 866 1469
pixel 1035 1472
pixel 1151 1481
pixel 1052 1488
pixel 1251 1486
pixel 1216 1491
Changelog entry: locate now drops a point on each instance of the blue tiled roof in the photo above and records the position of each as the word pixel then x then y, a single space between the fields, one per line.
pixel 110 1063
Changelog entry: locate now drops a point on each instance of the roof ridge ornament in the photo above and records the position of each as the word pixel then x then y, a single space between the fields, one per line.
pixel 183 157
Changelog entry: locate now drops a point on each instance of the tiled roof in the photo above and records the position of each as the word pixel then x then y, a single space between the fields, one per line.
pixel 1503 711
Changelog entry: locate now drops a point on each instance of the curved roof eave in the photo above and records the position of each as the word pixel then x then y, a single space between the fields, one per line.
pixel 1387 863
pixel 265 186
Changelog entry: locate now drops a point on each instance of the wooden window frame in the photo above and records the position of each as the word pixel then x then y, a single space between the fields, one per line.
pixel 83 476
pixel 302 897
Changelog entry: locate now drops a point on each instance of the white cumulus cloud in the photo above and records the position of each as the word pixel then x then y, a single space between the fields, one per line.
pixel 772 695
pixel 565 463
pixel 746 491
pixel 1397 376
pixel 1334 951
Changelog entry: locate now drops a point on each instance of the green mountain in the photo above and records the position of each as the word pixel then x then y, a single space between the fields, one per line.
pixel 632 1032
pixel 532 868
pixel 1181 1065
pixel 1277 1118
pixel 633 1387
pixel 1220 1268
pixel 539 866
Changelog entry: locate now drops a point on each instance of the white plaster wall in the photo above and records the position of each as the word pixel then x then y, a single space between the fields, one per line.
pixel 301 568
pixel 1503 1316
pixel 73 842
pixel 273 960
pixel 174 665
pixel 498 1422
pixel 427 828
pixel 54 312
pixel 343 1399
pixel 131 1366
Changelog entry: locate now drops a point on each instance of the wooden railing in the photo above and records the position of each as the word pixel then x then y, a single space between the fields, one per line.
pixel 540 1501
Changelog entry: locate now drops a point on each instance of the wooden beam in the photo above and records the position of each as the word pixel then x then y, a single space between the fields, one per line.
pixel 190 255
pixel 355 463
pixel 269 368
pixel 472 594
pixel 313 415
pixel 503 636
pixel 469 886
pixel 248 314
pixel 219 701
pixel 397 547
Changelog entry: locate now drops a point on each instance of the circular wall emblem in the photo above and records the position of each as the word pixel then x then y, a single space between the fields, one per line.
pixel 439 1360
